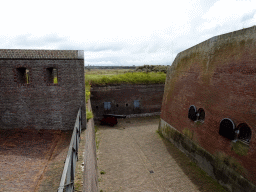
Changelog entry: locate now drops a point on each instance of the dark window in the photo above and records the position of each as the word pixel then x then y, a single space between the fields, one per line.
pixel 192 113
pixel 23 75
pixel 227 128
pixel 107 105
pixel 200 114
pixel 245 132
pixel 52 75
pixel 126 104
pixel 97 107
pixel 136 103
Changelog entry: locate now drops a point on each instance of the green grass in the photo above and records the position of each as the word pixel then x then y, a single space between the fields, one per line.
pixel 55 80
pixel 89 115
pixel 126 78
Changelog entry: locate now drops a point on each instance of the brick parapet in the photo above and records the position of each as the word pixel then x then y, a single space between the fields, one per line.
pixel 40 54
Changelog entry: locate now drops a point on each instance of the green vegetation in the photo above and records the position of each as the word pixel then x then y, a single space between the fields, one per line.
pixel 240 148
pixel 222 157
pixel 152 68
pixel 127 78
pixel 89 115
pixel 188 133
pixel 87 91
pixel 102 172
pixel 55 80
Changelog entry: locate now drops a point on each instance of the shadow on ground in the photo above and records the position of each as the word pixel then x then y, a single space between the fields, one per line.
pixel 200 178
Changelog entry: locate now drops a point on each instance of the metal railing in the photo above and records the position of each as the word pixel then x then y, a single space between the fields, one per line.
pixel 68 175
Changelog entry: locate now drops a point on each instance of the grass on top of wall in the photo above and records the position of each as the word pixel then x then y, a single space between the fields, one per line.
pixel 127 78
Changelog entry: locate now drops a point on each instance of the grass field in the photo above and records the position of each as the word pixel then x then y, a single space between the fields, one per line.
pixel 123 76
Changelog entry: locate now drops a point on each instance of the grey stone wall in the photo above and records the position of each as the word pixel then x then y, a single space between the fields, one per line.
pixel 40 103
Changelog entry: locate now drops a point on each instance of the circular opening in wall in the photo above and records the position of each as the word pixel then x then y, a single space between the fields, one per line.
pixel 126 104
pixel 192 113
pixel 116 105
pixel 245 132
pixel 227 128
pixel 200 114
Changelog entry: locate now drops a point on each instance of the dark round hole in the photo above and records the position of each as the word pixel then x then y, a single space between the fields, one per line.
pixel 192 113
pixel 227 128
pixel 126 105
pixel 245 132
pixel 116 105
pixel 200 114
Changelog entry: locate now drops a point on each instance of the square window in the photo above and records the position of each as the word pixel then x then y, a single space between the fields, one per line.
pixel 52 75
pixel 23 75
pixel 107 105
pixel 136 103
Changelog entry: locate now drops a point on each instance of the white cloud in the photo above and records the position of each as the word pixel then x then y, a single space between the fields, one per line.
pixel 120 31
pixel 226 12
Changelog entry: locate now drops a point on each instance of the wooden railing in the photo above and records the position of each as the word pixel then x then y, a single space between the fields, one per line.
pixel 68 175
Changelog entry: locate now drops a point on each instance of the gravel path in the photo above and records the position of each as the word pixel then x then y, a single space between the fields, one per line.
pixel 133 157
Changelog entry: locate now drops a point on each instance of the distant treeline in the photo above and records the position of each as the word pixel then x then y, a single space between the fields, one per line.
pixel 144 68
pixel 110 67
pixel 152 68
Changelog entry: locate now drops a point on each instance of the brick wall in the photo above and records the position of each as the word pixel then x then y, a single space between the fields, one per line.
pixel 40 103
pixel 218 75
pixel 126 99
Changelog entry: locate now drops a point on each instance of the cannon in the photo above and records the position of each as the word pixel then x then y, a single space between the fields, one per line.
pixel 110 119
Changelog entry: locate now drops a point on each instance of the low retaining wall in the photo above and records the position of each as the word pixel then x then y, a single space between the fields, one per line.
pixel 126 99
pixel 226 176
pixel 90 182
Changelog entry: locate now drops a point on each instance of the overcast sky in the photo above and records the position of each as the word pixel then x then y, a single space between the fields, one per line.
pixel 120 32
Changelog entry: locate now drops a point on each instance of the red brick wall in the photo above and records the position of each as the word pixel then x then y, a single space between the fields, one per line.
pixel 122 99
pixel 40 104
pixel 218 75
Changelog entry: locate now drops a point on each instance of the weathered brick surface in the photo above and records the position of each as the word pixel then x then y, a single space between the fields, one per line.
pixel 40 104
pixel 122 99
pixel 218 75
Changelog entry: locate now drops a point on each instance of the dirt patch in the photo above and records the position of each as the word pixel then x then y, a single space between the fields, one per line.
pixel 25 155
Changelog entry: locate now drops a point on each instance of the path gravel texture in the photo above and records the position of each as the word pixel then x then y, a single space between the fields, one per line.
pixel 133 157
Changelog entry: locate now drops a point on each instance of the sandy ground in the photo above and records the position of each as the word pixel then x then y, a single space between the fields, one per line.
pixel 133 157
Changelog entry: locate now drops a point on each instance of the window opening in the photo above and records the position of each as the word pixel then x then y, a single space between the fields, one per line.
pixel 126 105
pixel 97 107
pixel 192 113
pixel 107 105
pixel 23 75
pixel 200 114
pixel 227 128
pixel 245 132
pixel 136 103
pixel 52 75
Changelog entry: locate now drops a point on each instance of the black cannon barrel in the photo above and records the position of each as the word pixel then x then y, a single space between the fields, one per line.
pixel 113 115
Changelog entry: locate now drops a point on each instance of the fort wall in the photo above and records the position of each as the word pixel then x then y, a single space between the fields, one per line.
pixel 217 76
pixel 41 89
pixel 126 99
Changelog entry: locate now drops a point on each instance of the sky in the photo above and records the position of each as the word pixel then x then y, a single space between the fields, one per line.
pixel 120 32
